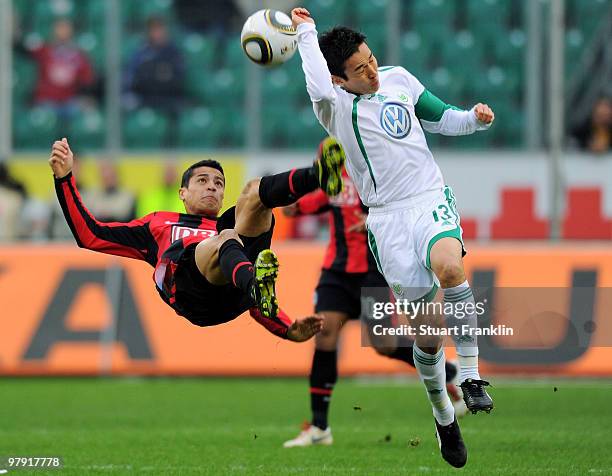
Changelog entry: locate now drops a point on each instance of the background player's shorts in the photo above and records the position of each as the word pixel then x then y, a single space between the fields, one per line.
pixel 401 235
pixel 192 296
pixel 342 292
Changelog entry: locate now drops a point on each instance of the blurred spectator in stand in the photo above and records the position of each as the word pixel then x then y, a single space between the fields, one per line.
pixel 164 197
pixel 35 220
pixel 64 71
pixel 12 201
pixel 155 77
pixel 21 216
pixel 595 135
pixel 111 203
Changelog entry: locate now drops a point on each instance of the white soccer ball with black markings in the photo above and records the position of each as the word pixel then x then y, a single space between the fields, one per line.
pixel 268 38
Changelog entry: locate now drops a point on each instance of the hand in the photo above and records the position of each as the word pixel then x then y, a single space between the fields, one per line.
pixel 304 329
pixel 291 210
pixel 360 226
pixel 484 113
pixel 62 158
pixel 300 15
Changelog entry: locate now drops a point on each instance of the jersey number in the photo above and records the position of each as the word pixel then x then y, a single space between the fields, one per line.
pixel 445 213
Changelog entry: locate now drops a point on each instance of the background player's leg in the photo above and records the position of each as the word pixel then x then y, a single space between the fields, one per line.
pixel 324 371
pixel 447 264
pixel 323 377
pixel 394 347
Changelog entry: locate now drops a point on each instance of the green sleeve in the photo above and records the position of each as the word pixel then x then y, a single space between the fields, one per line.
pixel 431 108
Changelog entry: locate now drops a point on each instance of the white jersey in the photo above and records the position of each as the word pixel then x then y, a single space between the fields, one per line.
pixel 387 153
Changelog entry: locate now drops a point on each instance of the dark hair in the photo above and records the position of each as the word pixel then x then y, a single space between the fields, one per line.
pixel 338 45
pixel 213 164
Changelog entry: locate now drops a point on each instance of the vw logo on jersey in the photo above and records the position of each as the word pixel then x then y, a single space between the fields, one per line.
pixel 395 120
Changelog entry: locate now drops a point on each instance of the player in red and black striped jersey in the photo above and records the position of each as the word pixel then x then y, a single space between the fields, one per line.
pixel 349 271
pixel 209 269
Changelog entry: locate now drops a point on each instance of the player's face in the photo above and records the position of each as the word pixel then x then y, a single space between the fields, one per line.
pixel 361 71
pixel 204 193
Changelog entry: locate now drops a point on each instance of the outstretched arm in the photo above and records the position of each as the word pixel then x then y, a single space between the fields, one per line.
pixel 298 331
pixel 318 78
pixel 437 116
pixel 132 239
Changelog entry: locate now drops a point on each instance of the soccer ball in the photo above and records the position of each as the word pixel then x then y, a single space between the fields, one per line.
pixel 268 38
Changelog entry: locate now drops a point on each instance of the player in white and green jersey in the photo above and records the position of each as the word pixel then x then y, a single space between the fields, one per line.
pixel 379 116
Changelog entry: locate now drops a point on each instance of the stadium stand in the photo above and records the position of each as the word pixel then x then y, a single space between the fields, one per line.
pixel 437 44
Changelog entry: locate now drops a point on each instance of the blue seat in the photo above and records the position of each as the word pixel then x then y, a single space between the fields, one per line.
pixel 328 13
pixel 414 53
pixel 34 128
pixel 433 19
pixel 135 13
pixel 229 126
pixel 88 130
pixel 225 87
pixel 304 130
pixel 93 46
pixel 509 49
pixel 44 13
pixel 487 14
pixel 24 79
pixel 144 129
pixel 508 128
pixel 197 128
pixel 463 51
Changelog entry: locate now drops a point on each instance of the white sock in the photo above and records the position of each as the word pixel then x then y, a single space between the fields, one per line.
pixel 466 345
pixel 432 374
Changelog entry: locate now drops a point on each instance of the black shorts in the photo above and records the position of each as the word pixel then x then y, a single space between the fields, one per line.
pixel 342 292
pixel 192 296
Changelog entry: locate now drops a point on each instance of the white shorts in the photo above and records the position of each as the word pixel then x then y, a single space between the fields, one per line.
pixel 401 234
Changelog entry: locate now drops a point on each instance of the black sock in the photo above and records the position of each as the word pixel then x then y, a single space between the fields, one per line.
pixel 323 377
pixel 235 265
pixel 403 351
pixel 283 189
pixel 451 371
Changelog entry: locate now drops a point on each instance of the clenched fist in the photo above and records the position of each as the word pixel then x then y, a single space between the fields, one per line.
pixel 300 15
pixel 484 113
pixel 62 158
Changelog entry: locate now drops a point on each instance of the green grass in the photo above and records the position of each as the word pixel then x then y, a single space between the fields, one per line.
pixel 232 426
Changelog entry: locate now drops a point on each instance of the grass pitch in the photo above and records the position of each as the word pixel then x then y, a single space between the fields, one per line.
pixel 237 426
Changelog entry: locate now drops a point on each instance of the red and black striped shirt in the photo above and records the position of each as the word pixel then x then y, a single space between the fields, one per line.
pixel 347 251
pixel 145 238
